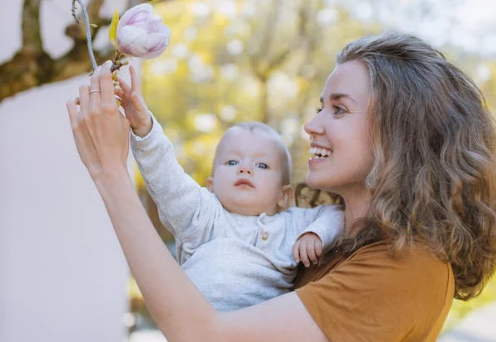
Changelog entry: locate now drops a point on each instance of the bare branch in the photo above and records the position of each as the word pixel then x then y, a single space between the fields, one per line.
pixel 88 32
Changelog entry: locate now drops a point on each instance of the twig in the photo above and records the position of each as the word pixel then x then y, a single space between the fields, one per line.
pixel 88 32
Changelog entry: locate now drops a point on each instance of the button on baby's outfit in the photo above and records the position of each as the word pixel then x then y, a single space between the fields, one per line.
pixel 261 225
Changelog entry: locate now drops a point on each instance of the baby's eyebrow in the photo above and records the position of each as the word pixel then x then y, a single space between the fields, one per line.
pixel 232 152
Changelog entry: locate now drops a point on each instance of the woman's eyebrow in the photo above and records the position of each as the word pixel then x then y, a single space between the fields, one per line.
pixel 338 96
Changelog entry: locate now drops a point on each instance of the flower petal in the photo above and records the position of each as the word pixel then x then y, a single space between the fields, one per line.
pixel 141 33
pixel 137 14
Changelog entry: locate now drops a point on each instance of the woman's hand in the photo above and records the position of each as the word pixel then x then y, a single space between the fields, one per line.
pixel 101 132
pixel 134 106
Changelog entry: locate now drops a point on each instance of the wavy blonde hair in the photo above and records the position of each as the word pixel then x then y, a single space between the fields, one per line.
pixel 434 175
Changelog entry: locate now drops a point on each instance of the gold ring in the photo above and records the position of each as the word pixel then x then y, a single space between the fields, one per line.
pixel 94 91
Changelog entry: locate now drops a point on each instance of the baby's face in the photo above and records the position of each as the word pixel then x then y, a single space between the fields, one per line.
pixel 247 175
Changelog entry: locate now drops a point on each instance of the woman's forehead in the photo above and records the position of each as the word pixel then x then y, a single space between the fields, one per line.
pixel 350 79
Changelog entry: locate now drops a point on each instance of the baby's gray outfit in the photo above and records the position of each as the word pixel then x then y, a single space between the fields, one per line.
pixel 234 260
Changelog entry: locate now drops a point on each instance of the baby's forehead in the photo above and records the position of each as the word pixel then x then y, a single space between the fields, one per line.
pixel 256 132
pixel 238 135
pixel 254 139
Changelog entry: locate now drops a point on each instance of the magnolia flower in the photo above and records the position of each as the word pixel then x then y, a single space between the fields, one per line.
pixel 141 33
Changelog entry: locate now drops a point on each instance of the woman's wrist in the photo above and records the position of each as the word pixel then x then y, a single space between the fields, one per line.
pixel 115 179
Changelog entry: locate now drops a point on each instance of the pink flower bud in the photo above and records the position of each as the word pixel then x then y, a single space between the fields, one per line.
pixel 141 33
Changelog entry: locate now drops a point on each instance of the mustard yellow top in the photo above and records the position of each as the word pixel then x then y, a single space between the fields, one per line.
pixel 370 296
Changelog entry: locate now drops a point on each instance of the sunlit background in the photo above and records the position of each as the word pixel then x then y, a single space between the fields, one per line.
pixel 228 61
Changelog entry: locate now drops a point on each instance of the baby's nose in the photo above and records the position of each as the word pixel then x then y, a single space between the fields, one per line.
pixel 245 170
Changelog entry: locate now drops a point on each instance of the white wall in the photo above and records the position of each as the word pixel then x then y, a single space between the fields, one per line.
pixel 62 273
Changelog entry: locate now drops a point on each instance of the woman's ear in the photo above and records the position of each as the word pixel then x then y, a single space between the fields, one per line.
pixel 210 184
pixel 286 198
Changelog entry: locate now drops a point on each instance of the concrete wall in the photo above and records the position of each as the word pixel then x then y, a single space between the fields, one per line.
pixel 62 273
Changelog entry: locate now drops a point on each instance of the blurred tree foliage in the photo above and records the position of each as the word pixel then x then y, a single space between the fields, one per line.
pixel 231 61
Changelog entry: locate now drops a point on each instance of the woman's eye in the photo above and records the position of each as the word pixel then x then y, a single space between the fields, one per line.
pixel 262 166
pixel 338 110
pixel 232 162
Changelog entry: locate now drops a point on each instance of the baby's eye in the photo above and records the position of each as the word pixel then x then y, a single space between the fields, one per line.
pixel 262 166
pixel 232 162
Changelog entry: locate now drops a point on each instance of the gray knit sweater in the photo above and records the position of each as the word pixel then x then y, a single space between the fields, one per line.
pixel 234 260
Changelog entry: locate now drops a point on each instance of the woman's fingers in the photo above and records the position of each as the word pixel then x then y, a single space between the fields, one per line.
pixel 106 84
pixel 73 111
pixel 102 137
pixel 94 92
pixel 84 100
pixel 82 138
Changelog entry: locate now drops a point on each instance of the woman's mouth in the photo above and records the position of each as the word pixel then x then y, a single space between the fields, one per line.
pixel 318 153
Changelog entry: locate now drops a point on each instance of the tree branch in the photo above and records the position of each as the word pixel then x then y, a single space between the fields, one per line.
pixel 31 66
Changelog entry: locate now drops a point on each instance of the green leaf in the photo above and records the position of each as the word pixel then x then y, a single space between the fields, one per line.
pixel 113 29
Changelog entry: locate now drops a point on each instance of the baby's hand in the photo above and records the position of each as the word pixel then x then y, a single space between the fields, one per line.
pixel 134 106
pixel 308 248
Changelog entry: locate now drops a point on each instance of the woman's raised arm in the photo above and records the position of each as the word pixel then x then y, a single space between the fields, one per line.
pixel 179 309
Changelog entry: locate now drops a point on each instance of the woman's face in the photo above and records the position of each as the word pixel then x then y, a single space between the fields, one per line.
pixel 340 145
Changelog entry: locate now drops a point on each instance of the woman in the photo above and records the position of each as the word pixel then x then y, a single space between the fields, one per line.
pixel 409 149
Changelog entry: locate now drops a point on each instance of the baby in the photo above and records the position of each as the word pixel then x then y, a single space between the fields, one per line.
pixel 235 238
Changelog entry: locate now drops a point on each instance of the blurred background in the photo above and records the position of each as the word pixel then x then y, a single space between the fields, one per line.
pixel 228 61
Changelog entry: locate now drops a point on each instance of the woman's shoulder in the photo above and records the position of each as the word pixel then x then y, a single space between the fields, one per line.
pixel 414 262
pixel 380 254
pixel 371 286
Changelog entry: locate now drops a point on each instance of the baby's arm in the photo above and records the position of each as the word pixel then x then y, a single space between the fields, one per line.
pixel 322 225
pixel 185 208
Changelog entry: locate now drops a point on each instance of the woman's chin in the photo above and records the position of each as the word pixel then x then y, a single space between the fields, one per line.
pixel 318 183
pixel 313 181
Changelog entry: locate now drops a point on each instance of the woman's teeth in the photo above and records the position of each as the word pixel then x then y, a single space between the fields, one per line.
pixel 320 152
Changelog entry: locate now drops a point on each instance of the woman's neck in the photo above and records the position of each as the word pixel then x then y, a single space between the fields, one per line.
pixel 356 207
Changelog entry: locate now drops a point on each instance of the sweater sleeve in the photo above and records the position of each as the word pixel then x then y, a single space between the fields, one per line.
pixel 185 208
pixel 325 220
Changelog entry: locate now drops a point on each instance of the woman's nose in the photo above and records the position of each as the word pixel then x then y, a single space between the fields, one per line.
pixel 313 127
